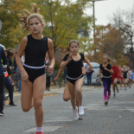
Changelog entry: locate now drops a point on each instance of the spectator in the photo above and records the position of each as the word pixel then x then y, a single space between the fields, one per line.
pixel 88 74
pixel 3 60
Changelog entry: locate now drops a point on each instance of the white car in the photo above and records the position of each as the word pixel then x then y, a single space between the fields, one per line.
pixel 95 79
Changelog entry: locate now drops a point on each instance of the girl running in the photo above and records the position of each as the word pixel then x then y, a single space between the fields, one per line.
pixel 66 94
pixel 73 62
pixel 125 80
pixel 115 75
pixel 106 70
pixel 33 75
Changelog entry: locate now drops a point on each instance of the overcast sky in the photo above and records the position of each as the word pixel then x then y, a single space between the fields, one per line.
pixel 106 8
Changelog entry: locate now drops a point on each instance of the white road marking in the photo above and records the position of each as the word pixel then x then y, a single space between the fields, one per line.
pixel 45 129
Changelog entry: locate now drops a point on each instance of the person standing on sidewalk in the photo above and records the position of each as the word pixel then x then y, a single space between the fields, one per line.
pixel 8 83
pixel 48 75
pixel 106 70
pixel 88 74
pixel 33 75
pixel 3 61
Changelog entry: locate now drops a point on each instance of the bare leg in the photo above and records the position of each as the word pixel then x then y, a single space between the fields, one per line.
pixel 114 84
pixel 26 95
pixel 38 93
pixel 72 92
pixel 66 94
pixel 78 85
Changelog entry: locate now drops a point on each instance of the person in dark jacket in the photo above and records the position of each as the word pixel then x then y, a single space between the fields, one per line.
pixel 3 60
pixel 8 80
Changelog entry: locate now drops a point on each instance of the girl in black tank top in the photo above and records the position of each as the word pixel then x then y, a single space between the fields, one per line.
pixel 35 47
pixel 73 62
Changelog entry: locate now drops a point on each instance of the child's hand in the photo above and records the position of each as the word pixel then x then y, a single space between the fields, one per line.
pixel 69 58
pixel 106 69
pixel 46 67
pixel 56 79
pixel 50 69
pixel 98 74
pixel 24 75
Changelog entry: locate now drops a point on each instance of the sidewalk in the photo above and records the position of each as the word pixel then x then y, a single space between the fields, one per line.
pixel 55 91
pixel 61 90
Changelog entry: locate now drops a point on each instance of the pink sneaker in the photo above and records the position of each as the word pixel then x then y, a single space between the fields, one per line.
pixel 39 133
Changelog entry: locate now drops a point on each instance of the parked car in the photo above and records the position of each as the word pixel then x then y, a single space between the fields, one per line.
pixel 95 80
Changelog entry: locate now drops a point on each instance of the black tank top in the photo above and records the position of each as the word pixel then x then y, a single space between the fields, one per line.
pixel 74 68
pixel 35 51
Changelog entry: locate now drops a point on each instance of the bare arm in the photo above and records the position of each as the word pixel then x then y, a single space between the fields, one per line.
pixel 51 56
pixel 64 63
pixel 20 53
pixel 58 74
pixel 22 47
pixel 110 71
pixel 120 72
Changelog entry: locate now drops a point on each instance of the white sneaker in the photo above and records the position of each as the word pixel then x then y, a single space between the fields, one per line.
pixel 76 115
pixel 81 110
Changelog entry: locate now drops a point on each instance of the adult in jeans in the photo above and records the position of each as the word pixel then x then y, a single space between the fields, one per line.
pixel 3 60
pixel 88 74
pixel 8 80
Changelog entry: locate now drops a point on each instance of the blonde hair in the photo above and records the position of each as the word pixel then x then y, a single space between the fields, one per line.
pixel 124 66
pixel 27 15
pixel 105 55
pixel 114 61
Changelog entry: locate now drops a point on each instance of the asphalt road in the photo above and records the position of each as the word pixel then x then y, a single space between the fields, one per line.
pixel 116 118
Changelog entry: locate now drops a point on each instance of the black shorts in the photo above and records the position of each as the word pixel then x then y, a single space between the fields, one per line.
pixel 34 73
pixel 73 81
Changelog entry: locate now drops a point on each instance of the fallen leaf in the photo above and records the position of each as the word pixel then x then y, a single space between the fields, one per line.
pixel 66 125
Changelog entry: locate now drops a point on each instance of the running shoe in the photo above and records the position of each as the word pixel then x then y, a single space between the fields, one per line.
pixel 39 133
pixel 76 115
pixel 81 110
pixel 106 102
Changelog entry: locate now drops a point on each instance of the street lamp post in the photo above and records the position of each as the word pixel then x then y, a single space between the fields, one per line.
pixel 94 21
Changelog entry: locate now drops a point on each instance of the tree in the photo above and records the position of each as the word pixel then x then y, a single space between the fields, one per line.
pixel 109 41
pixel 124 21
pixel 64 21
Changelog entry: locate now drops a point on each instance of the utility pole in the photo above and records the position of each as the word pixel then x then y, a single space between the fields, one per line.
pixel 93 1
